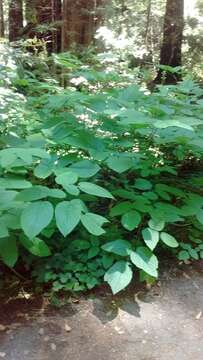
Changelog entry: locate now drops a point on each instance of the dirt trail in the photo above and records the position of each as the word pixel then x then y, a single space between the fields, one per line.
pixel 165 323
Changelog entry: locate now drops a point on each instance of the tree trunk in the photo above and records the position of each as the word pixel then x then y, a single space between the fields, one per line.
pixel 47 14
pixel 80 20
pixel 57 20
pixel 15 19
pixel 1 19
pixel 44 18
pixel 172 41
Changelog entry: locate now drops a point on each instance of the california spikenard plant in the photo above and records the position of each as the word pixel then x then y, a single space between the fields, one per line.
pixel 100 181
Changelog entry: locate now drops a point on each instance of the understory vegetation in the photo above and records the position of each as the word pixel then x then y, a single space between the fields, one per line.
pixel 99 176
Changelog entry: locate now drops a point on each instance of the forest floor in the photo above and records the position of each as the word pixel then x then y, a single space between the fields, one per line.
pixel 163 323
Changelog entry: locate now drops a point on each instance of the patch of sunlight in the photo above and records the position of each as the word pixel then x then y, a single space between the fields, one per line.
pixel 191 9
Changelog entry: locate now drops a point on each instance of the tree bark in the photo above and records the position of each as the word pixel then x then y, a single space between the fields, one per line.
pixel 1 19
pixel 172 41
pixel 15 19
pixel 57 20
pixel 80 20
pixel 47 14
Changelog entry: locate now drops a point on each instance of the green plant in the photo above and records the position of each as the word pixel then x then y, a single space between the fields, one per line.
pixel 81 265
pixel 192 250
pixel 112 171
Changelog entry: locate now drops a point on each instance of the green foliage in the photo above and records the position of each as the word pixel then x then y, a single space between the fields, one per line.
pixel 97 182
pixel 145 260
pixel 119 276
pixel 35 217
pixel 192 250
pixel 132 33
pixel 78 266
pixel 150 237
pixel 131 220
pixel 118 247
pixel 68 215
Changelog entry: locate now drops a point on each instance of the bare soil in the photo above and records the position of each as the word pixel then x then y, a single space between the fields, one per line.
pixel 162 323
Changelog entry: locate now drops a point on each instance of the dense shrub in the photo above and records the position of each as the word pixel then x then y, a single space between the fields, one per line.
pixel 100 180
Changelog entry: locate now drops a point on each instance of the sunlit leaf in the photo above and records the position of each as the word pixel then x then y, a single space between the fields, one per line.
pixel 119 276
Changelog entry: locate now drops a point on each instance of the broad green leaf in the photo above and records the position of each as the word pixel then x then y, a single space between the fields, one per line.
pixel 7 196
pixel 166 212
pixel 14 183
pixel 41 153
pixel 142 204
pixel 193 253
pixel 143 184
pixel 121 208
pixel 35 217
pixel 119 164
pixel 92 282
pixel 59 170
pixel 67 178
pixel 150 195
pixel 118 247
pixel 119 276
pixel 10 220
pixel 185 246
pixel 130 93
pixel 56 193
pixel 9 251
pixel 80 204
pixel 68 215
pixel 107 260
pixel 25 155
pixel 156 224
pixel 163 124
pixel 164 190
pixel 44 169
pixel 36 140
pixel 124 194
pixel 194 202
pixel 38 192
pixel 72 190
pixel 183 255
pixel 93 223
pixel 134 117
pixel 34 193
pixel 93 251
pixel 151 237
pixel 85 168
pixel 98 155
pixel 36 246
pixel 145 260
pixel 161 191
pixel 169 240
pixel 131 220
pixel 7 158
pixel 93 189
